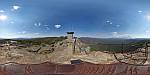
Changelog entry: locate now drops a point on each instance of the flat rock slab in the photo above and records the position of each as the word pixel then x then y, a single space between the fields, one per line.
pixel 84 68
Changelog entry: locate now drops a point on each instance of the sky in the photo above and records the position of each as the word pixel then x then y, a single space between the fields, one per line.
pixel 87 18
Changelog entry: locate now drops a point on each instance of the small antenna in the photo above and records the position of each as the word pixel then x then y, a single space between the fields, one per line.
pixel 71 27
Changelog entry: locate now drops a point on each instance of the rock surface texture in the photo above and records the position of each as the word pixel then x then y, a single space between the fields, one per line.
pixel 84 68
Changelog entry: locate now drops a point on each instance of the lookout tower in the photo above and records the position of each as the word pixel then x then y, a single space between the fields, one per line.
pixel 70 36
pixel 70 42
pixel 74 45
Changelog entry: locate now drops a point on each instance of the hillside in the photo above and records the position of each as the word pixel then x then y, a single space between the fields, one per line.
pixel 59 50
pixel 112 44
pixel 89 40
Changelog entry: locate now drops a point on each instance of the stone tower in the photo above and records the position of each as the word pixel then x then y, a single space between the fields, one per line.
pixel 70 41
pixel 74 44
pixel 70 36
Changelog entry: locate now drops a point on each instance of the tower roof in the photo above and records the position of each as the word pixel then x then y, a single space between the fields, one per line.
pixel 70 32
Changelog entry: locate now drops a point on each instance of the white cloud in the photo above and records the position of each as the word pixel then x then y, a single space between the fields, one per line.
pixel 140 11
pixel 23 32
pixel 8 35
pixel 36 33
pixel 147 31
pixel 47 28
pixel 117 25
pixel 2 11
pixel 15 7
pixel 110 23
pixel 37 24
pixel 12 22
pixel 107 21
pixel 21 35
pixel 147 17
pixel 114 33
pixel 120 35
pixel 46 25
pixel 57 26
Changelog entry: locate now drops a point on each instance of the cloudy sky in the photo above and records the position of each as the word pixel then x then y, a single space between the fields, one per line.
pixel 88 18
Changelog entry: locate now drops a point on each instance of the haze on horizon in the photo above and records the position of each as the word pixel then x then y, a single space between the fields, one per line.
pixel 88 18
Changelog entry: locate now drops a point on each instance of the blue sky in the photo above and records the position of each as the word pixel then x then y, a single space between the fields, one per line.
pixel 87 18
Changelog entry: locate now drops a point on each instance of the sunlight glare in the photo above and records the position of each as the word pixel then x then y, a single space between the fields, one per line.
pixel 3 17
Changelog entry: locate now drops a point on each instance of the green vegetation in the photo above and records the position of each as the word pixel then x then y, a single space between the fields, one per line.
pixel 117 48
pixel 41 41
pixel 107 47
